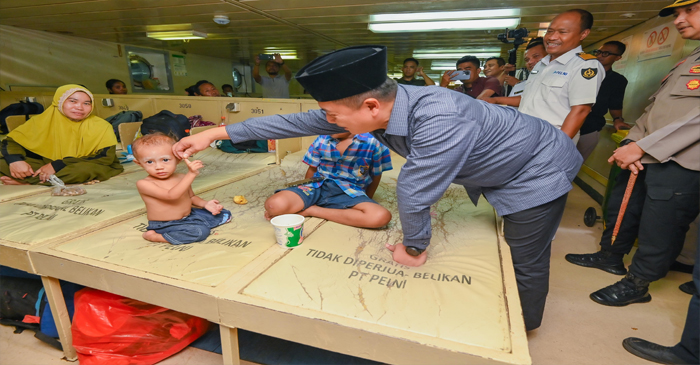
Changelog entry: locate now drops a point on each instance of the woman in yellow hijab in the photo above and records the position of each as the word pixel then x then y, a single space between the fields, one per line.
pixel 65 140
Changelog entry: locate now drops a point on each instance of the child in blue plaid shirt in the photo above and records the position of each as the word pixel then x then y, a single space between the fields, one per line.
pixel 352 166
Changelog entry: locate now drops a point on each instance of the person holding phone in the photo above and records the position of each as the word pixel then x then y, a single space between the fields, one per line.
pixel 274 85
pixel 468 70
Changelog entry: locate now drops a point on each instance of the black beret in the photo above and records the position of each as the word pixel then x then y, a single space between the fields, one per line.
pixel 344 73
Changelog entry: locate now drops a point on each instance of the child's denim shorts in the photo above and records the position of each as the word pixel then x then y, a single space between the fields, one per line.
pixel 193 228
pixel 329 195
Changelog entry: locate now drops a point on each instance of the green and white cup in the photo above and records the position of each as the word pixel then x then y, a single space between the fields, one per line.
pixel 289 229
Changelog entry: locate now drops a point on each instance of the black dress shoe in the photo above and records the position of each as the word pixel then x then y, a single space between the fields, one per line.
pixel 604 260
pixel 688 288
pixel 629 290
pixel 651 351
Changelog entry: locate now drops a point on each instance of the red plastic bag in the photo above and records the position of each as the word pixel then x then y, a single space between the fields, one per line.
pixel 110 329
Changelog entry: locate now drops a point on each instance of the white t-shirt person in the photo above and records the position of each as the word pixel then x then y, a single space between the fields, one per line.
pixel 274 85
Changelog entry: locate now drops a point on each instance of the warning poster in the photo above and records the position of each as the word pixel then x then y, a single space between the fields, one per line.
pixel 658 42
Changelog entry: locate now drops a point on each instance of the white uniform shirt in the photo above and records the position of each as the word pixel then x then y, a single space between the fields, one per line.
pixel 518 89
pixel 554 87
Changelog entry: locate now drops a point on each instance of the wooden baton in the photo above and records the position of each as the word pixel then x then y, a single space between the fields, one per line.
pixel 623 206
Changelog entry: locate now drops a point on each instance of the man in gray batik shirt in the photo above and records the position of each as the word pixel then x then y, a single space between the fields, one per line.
pixel 522 165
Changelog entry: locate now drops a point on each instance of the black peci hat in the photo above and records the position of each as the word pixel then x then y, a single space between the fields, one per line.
pixel 344 73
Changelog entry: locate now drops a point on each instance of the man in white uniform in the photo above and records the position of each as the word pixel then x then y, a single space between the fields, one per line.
pixel 534 52
pixel 563 86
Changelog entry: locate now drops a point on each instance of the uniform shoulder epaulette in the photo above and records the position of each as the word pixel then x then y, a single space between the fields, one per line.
pixel 587 57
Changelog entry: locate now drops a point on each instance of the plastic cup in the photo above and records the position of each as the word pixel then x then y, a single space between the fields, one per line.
pixel 289 229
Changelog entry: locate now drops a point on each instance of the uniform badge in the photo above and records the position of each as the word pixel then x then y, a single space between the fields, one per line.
pixel 695 69
pixel 693 84
pixel 589 73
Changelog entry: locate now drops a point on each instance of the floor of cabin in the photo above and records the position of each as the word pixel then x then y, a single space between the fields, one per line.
pixel 575 330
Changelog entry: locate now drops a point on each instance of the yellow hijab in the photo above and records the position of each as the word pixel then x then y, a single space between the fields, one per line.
pixel 52 135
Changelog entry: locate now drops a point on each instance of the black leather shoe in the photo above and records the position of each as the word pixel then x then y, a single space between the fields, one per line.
pixel 688 288
pixel 651 351
pixel 629 290
pixel 604 260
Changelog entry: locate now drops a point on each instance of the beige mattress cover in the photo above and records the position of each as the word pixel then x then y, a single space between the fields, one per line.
pixel 12 192
pixel 36 219
pixel 457 295
pixel 229 247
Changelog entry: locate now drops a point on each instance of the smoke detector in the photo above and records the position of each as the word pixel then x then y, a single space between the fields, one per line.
pixel 221 19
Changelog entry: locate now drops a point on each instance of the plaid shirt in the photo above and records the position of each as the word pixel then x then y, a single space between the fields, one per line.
pixel 364 158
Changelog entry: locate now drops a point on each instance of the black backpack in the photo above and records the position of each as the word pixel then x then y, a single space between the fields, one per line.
pixel 243 147
pixel 22 299
pixel 175 125
pixel 127 116
pixel 22 108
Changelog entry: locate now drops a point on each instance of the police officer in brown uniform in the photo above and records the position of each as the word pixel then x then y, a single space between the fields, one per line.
pixel 664 149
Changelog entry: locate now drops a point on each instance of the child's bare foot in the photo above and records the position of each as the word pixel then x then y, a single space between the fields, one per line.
pixel 152 236
pixel 267 215
pixel 6 180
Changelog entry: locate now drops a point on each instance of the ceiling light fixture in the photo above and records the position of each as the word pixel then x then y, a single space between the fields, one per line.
pixel 177 34
pixel 456 50
pixel 444 21
pixel 287 54
pixel 445 15
pixel 451 25
pixel 455 55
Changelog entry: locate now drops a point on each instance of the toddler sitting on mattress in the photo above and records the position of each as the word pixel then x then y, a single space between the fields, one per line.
pixel 169 197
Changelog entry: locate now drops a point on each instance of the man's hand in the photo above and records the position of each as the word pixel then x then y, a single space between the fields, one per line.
pixel 420 71
pixel 512 81
pixel 628 157
pixel 190 145
pixel 20 170
pixel 508 68
pixel 278 58
pixel 194 166
pixel 404 258
pixel 620 124
pixel 213 206
pixel 446 78
pixel 257 60
pixel 44 172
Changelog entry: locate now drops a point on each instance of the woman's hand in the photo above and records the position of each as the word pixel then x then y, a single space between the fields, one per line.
pixel 45 172
pixel 20 170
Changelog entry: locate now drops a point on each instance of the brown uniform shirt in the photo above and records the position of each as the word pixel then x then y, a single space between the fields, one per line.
pixel 669 129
